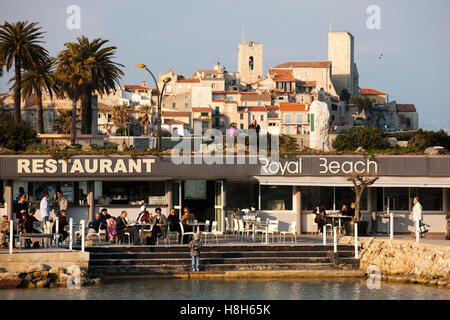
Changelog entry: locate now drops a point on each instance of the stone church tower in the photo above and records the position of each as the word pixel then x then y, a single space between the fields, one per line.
pixel 341 52
pixel 250 65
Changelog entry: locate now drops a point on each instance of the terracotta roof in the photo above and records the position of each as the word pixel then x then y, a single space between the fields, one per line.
pixel 305 64
pixel 201 109
pixel 176 113
pixel 365 91
pixel 253 96
pixel 173 121
pixel 406 108
pixel 307 83
pixel 218 100
pixel 133 87
pixel 293 107
pixel 187 80
pixel 273 107
pixel 101 107
pixel 213 79
pixel 281 75
pixel 203 119
pixel 257 109
pixel 209 71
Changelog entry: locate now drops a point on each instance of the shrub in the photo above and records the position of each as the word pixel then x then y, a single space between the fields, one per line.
pixel 369 138
pixel 15 136
pixel 424 139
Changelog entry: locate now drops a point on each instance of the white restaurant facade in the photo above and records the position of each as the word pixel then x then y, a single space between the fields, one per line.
pixel 283 189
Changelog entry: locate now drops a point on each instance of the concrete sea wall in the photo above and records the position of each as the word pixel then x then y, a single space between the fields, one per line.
pixel 405 261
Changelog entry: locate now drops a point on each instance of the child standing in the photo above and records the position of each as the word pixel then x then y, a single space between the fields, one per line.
pixel 111 229
pixel 195 246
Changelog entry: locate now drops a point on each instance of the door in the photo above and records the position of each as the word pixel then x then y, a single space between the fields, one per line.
pixel 218 205
pixel 177 198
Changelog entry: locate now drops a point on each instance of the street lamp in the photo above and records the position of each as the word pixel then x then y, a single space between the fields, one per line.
pixel 159 100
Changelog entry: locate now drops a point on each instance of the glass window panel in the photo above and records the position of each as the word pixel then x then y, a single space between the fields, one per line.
pixel 277 198
pixel 67 190
pixel 312 196
pixel 398 198
pixel 234 192
pixel 431 199
pixel 346 194
pixel 134 192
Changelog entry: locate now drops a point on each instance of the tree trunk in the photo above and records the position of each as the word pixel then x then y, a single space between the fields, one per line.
pixel 74 121
pixel 40 113
pixel 89 111
pixel 357 204
pixel 83 113
pixel 17 88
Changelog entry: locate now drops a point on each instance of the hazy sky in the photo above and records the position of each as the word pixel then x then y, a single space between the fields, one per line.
pixel 186 35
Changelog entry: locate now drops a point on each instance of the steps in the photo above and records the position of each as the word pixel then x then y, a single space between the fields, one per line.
pixel 163 259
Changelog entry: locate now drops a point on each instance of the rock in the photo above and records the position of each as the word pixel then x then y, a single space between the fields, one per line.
pixel 86 147
pixel 43 283
pixel 36 268
pixel 9 281
pixel 433 151
pixel 360 149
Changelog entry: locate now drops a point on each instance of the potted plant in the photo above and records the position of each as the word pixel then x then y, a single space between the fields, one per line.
pixel 360 182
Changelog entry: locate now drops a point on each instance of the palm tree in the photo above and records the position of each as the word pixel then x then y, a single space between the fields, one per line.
pixel 38 78
pixel 20 44
pixel 71 74
pixel 121 116
pixel 104 75
pixel 62 125
pixel 145 117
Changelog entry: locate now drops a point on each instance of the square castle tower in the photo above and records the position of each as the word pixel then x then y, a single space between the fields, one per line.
pixel 250 65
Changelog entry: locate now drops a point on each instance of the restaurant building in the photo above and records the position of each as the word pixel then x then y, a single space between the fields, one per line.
pixel 283 189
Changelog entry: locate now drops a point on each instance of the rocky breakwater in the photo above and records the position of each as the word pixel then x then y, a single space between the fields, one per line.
pixel 405 261
pixel 43 276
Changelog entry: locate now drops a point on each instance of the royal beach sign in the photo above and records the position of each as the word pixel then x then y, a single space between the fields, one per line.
pixel 112 167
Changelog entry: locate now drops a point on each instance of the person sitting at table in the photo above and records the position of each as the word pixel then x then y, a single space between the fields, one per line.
pixel 104 200
pixel 160 226
pixel 351 210
pixel 345 211
pixel 94 225
pixel 62 224
pixel 320 217
pixel 4 231
pixel 28 227
pixel 104 223
pixel 123 226
pixel 146 217
pixel 174 223
pixel 187 216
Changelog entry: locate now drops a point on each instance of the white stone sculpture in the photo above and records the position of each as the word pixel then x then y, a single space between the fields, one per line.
pixel 320 118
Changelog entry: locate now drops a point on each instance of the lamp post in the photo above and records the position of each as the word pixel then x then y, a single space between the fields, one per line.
pixel 159 100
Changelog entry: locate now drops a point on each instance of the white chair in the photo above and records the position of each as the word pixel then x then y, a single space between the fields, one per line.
pixel 205 230
pixel 236 227
pixel 98 234
pixel 213 232
pixel 291 232
pixel 243 229
pixel 273 228
pixel 171 233
pixel 259 230
pixel 126 234
pixel 228 228
pixel 184 233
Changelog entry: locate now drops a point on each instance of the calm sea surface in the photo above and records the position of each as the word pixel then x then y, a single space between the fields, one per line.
pixel 261 289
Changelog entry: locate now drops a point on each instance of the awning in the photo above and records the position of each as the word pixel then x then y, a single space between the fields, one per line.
pixel 341 181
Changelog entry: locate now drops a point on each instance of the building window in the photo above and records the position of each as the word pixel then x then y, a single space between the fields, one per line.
pixel 312 196
pixel 253 117
pixel 235 190
pixel 259 103
pixel 186 105
pixel 186 97
pixel 277 198
pixel 287 118
pixel 299 118
pixel 174 105
pixel 288 129
pixel 245 103
pixel 431 199
pixel 250 63
pixel 217 111
pixel 398 198
pixel 213 85
pixel 241 116
pixel 242 126
pixel 261 118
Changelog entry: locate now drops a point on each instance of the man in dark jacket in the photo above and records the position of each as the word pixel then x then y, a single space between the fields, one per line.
pixel 160 226
pixel 173 223
pixel 123 226
pixel 62 217
pixel 21 206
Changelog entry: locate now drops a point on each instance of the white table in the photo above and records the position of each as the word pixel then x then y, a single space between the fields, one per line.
pixel 339 217
pixel 196 224
pixel 142 225
pixel 255 223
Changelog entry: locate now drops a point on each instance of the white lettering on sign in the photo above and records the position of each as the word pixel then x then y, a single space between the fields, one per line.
pixel 75 166
pixel 347 167
pixel 273 167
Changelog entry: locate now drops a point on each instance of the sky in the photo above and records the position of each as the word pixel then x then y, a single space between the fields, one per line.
pixel 186 35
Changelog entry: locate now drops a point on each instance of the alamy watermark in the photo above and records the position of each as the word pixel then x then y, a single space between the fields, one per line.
pixel 74 281
pixel 374 279
pixel 73 22
pixel 374 19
